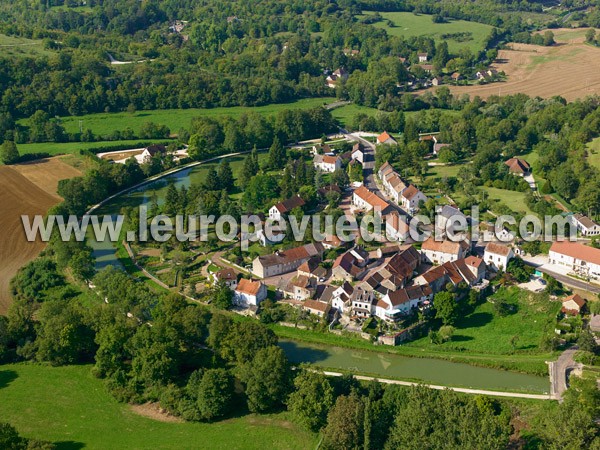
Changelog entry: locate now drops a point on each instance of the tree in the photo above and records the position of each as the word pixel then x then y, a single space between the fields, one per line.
pixel 590 36
pixel 311 399
pixel 345 424
pixel 225 176
pixel 249 169
pixel 277 155
pixel 267 379
pixel 215 393
pixel 9 153
pixel 223 296
pixel 446 307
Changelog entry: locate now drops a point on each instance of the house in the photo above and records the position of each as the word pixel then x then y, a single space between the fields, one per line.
pixel 327 163
pixel 449 218
pixel 361 303
pixel 426 67
pixel 411 198
pixel 386 139
pixel 423 57
pixel 399 303
pixel 316 307
pixel 394 185
pixel 249 293
pixel 227 276
pixel 585 225
pixel 284 261
pixel 340 297
pixel 456 76
pixel 497 255
pixel 385 169
pixel 400 263
pixel 312 269
pixel 300 287
pixel 396 227
pixel 351 52
pixel 350 265
pixel 358 153
pixel 363 198
pixel 332 241
pixel 573 304
pixel 470 270
pixel 439 146
pixel 339 75
pixel 581 259
pixel 440 252
pixel 152 150
pixel 518 166
pixel 277 211
pixel 436 81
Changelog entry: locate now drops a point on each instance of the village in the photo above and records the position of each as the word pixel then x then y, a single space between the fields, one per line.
pixel 394 280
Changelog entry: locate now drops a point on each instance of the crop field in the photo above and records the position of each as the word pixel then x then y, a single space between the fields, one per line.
pixel 408 24
pixel 571 69
pixel 25 189
pixel 106 123
pixel 61 148
pixel 69 406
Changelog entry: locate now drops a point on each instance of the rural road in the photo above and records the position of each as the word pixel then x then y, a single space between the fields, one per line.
pixel 559 370
pixel 565 279
pixel 456 389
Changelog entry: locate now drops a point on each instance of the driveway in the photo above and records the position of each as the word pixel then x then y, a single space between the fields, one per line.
pixel 540 262
pixel 560 370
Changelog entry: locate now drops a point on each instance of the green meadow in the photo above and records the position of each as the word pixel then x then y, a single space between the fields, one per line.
pixel 70 407
pixel 408 24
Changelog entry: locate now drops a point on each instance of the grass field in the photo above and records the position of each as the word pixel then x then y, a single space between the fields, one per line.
pixel 408 24
pixel 593 157
pixel 485 331
pixel 18 46
pixel 69 406
pixel 61 148
pixel 513 199
pixel 106 123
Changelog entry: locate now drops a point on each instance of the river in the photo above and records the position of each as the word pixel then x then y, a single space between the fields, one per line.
pixel 426 370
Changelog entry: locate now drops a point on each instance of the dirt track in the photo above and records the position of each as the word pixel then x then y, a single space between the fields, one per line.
pixel 24 189
pixel 570 69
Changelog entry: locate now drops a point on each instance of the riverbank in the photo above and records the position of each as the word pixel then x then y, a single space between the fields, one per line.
pixel 527 364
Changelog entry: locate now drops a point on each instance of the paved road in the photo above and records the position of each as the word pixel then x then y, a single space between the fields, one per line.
pixel 559 371
pixel 565 279
pixel 456 389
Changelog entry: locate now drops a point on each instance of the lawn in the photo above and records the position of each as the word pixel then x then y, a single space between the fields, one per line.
pixel 484 330
pixel 19 47
pixel 69 406
pixel 408 24
pixel 106 123
pixel 513 199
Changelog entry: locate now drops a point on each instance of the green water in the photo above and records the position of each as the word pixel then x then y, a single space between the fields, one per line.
pixel 426 370
pixel 104 252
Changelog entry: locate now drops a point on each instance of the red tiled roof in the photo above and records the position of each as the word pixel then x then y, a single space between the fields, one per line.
pixel 445 246
pixel 577 299
pixel 371 198
pixel 384 137
pixel 289 204
pixel 249 287
pixel 518 165
pixel 410 192
pixel 576 250
pixel 497 248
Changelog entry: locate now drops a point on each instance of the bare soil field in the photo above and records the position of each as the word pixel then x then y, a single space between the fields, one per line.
pixel 571 69
pixel 25 189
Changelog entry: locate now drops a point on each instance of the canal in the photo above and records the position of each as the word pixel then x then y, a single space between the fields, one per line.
pixel 426 370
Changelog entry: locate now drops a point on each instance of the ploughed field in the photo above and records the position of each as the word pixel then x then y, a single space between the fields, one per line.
pixel 30 189
pixel 570 68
